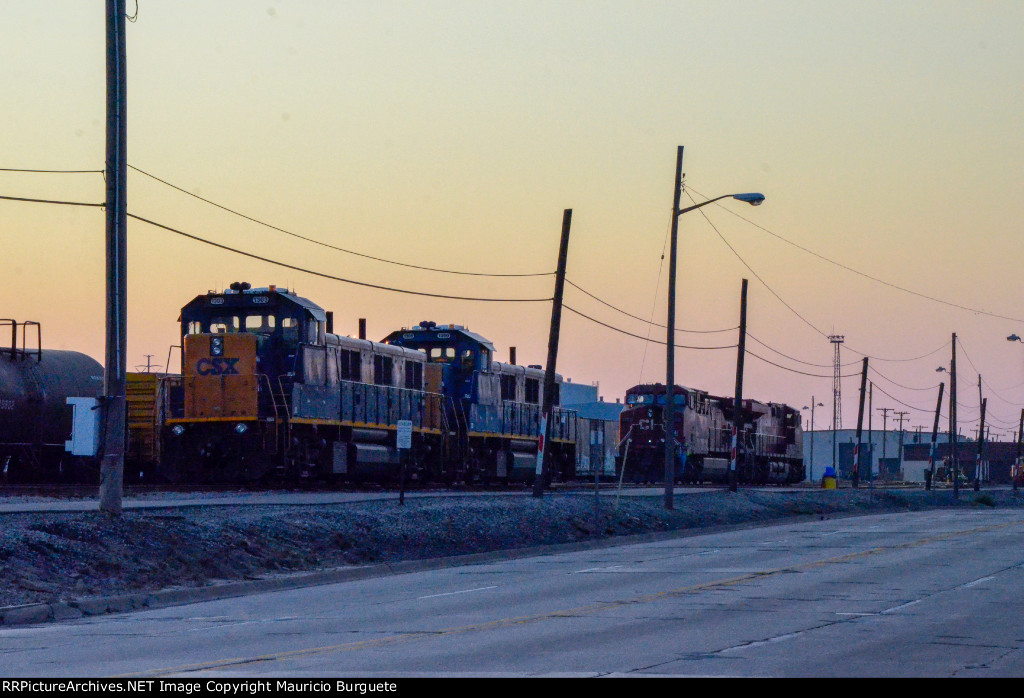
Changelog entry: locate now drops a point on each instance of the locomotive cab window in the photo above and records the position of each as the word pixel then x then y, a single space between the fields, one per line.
pixel 442 354
pixel 290 330
pixel 468 358
pixel 223 325
pixel 262 324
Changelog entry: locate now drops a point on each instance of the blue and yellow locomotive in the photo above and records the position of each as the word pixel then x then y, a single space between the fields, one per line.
pixel 269 392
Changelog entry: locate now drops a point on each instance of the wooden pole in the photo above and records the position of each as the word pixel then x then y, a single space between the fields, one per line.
pixel 544 447
pixel 737 417
pixel 115 377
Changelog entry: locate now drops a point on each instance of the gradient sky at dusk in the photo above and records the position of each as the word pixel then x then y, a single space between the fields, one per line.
pixel 887 137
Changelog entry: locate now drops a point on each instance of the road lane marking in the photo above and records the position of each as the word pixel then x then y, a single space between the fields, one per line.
pixel 968 585
pixel 453 593
pixel 580 611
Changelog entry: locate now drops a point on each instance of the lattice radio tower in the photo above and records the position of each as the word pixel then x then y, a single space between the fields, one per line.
pixel 837 402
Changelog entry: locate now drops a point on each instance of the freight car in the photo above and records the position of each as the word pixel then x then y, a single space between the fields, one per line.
pixel 35 417
pixel 268 392
pixel 770 442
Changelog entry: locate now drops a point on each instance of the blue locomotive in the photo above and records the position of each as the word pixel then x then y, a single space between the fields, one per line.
pixel 269 392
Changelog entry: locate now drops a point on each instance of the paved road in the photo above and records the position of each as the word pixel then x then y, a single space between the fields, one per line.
pixel 916 594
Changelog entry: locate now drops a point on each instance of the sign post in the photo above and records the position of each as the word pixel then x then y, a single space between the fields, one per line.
pixel 404 443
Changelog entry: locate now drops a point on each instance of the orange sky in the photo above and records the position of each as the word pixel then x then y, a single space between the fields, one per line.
pixel 886 137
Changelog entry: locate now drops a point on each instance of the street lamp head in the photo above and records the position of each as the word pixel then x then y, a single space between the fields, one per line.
pixel 1014 338
pixel 752 199
pixel 940 369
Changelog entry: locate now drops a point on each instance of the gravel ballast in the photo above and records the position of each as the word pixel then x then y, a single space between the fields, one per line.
pixel 78 562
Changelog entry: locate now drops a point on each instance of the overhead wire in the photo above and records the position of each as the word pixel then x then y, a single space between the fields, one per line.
pixel 648 322
pixel 51 201
pixel 793 358
pixel 865 275
pixel 331 276
pixel 906 387
pixel 646 339
pixel 18 169
pixel 780 299
pixel 654 302
pixel 758 276
pixel 328 245
pixel 793 370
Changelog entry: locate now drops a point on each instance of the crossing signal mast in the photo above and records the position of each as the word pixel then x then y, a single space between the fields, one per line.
pixel 837 402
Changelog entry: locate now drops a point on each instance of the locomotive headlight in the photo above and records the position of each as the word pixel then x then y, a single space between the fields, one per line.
pixel 177 430
pixel 216 346
pixel 241 428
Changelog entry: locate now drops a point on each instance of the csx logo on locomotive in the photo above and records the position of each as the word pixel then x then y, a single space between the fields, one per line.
pixel 217 366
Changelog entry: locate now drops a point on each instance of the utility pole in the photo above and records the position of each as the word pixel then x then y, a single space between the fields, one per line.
pixel 837 403
pixel 544 447
pixel 1020 437
pixel 114 376
pixel 885 419
pixel 899 454
pixel 953 437
pixel 981 447
pixel 855 479
pixel 737 417
pixel 935 436
pixel 670 342
pixel 810 475
pixel 871 437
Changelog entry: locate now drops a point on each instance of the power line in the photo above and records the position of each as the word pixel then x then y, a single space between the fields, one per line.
pixel 793 358
pixel 894 399
pixel 327 245
pixel 50 201
pixel 763 282
pixel 912 358
pixel 17 169
pixel 906 387
pixel 329 276
pixel 648 322
pixel 863 274
pixel 772 291
pixel 646 339
pixel 793 370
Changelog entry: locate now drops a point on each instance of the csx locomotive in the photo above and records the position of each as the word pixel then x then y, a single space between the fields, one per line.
pixel 770 442
pixel 269 392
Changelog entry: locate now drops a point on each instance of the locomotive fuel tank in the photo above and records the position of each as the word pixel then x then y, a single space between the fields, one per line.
pixel 35 419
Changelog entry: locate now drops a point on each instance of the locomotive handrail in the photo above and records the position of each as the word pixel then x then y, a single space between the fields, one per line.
pixel 167 365
pixel 24 338
pixel 284 398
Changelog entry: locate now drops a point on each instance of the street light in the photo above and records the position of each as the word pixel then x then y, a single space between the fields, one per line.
pixel 1014 338
pixel 810 469
pixel 670 379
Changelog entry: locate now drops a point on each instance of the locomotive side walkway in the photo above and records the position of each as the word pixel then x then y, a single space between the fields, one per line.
pixel 62 564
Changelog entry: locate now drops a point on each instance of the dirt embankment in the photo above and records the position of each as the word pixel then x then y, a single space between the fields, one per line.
pixel 63 557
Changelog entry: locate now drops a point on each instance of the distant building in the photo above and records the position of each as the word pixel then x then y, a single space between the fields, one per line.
pixel 880 449
pixel 598 440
